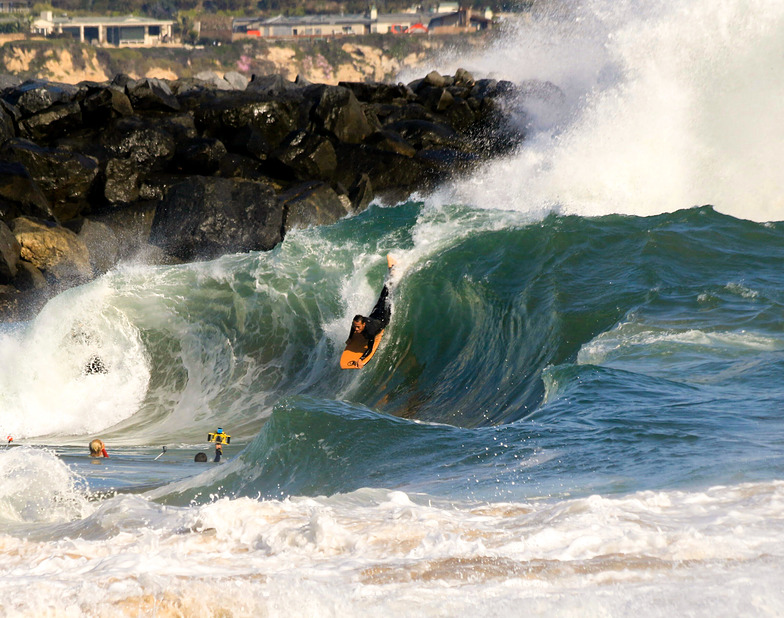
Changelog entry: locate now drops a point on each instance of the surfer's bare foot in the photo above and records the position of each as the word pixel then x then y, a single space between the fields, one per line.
pixel 391 262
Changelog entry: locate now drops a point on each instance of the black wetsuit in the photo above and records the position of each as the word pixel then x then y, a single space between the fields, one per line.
pixel 376 321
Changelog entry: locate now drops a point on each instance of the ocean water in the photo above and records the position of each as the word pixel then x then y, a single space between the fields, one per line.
pixel 576 409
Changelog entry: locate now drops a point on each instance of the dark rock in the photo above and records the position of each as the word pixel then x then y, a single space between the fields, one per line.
pixel 123 82
pixel 391 142
pixel 339 113
pixel 105 104
pixel 388 113
pixel 378 92
pixel 155 186
pixel 28 277
pixel 7 126
pixel 484 88
pixel 361 193
pixel 424 134
pixel 131 225
pixel 459 115
pixel 435 99
pixel 9 254
pixel 464 78
pixel 309 204
pixel 34 96
pixel 122 181
pixel 434 78
pixel 215 80
pixel 199 155
pixel 63 176
pixel 386 170
pixel 144 142
pixel 239 166
pixel 247 123
pixel 446 159
pixel 271 85
pixel 53 122
pixel 308 156
pixel 152 95
pixel 205 217
pixel 202 171
pixel 20 195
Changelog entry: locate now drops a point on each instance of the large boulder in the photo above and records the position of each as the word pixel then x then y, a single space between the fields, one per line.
pixel 64 177
pixel 309 204
pixel 142 141
pixel 152 95
pixel 35 96
pixel 339 113
pixel 424 134
pixel 386 170
pixel 308 156
pixel 199 155
pixel 20 195
pixel 122 181
pixel 247 122
pixel 360 193
pixel 54 122
pixel 104 104
pixel 390 141
pixel 204 217
pixel 56 251
pixel 28 277
pixel 131 225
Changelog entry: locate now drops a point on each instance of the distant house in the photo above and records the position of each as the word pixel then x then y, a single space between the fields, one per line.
pixel 119 31
pixel 307 26
pixel 461 20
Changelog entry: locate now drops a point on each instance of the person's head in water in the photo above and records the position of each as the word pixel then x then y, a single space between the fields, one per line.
pixel 358 324
pixel 200 457
pixel 98 449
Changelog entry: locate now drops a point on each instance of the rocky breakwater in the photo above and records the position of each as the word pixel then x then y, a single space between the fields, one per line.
pixel 185 170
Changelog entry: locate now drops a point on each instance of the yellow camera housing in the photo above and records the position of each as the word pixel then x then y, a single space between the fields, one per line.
pixel 218 438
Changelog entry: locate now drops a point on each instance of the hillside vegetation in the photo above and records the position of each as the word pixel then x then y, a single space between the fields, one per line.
pixel 358 58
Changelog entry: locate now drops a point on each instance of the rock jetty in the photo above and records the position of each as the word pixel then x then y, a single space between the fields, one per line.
pixel 174 171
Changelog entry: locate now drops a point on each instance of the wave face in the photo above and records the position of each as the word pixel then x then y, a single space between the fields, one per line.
pixel 576 403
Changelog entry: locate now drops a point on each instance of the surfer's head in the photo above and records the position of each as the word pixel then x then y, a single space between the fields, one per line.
pixel 358 323
pixel 97 448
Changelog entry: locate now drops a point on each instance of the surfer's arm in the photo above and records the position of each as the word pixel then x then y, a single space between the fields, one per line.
pixel 370 342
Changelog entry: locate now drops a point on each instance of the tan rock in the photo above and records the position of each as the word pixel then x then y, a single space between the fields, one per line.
pixel 55 251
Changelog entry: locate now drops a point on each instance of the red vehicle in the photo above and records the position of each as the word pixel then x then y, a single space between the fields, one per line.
pixel 412 29
pixel 416 29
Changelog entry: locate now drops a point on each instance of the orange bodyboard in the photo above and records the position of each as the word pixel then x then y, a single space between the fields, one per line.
pixel 355 348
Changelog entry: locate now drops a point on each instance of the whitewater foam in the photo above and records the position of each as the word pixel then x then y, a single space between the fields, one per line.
pixel 669 105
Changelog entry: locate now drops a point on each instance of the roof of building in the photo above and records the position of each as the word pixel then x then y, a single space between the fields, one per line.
pixel 127 20
pixel 310 20
pixel 392 18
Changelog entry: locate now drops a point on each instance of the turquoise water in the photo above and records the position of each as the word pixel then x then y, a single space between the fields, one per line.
pixel 575 410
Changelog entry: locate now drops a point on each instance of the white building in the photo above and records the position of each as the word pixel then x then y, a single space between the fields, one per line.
pixel 119 31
